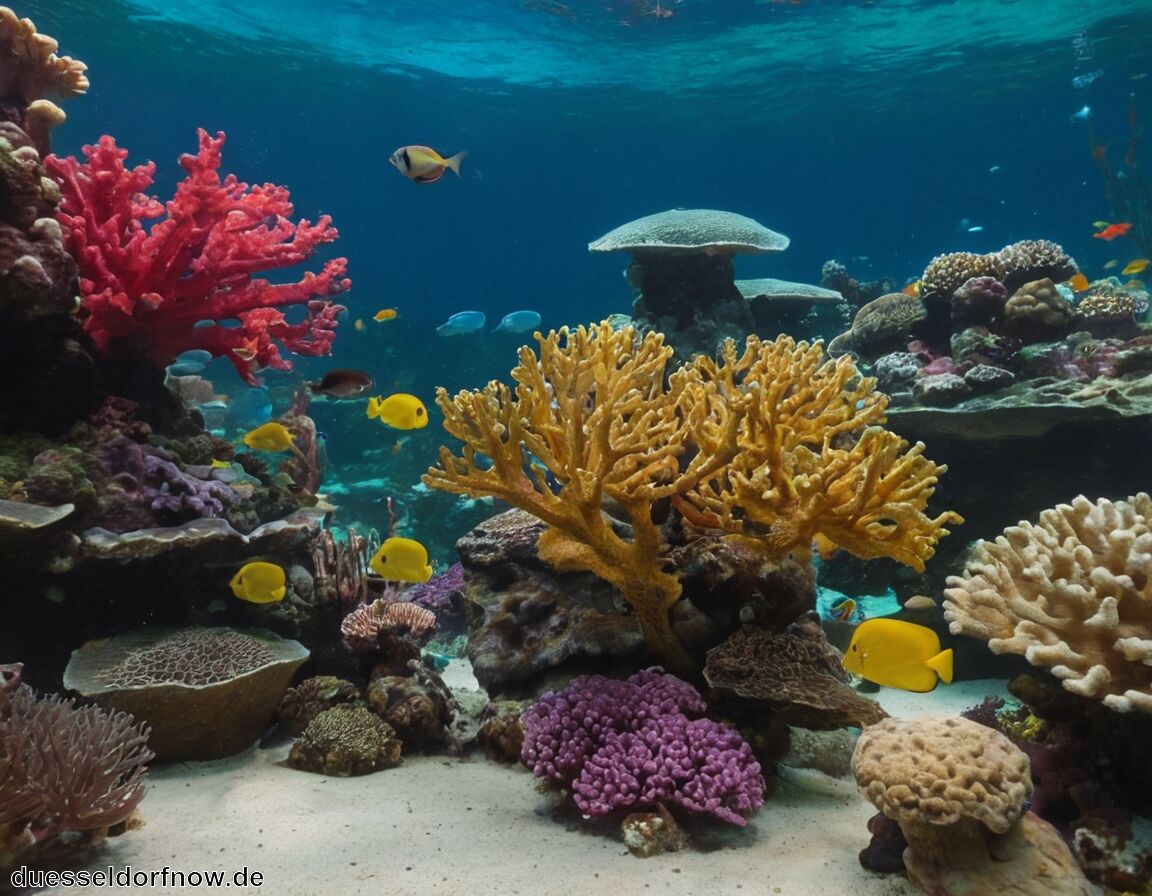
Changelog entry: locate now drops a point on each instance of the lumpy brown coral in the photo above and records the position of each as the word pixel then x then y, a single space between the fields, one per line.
pixel 32 69
pixel 1072 593
pixel 774 445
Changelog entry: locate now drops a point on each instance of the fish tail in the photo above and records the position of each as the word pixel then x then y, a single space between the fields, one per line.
pixel 941 664
pixel 454 162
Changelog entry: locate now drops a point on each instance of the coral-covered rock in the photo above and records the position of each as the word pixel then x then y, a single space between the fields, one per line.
pixel 1018 263
pixel 419 714
pixel 978 301
pixel 884 325
pixel 346 740
pixel 897 371
pixel 501 734
pixel 311 697
pixel 984 378
pixel 797 675
pixel 1037 311
pixel 941 389
pixel 958 791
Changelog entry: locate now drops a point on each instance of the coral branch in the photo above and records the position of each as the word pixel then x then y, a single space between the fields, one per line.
pixel 166 278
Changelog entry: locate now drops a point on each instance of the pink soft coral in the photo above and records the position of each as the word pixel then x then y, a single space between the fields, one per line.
pixel 153 287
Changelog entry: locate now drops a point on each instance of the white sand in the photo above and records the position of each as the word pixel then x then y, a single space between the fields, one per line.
pixel 440 825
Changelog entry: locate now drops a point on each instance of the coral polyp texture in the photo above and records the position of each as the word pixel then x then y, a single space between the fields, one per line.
pixel 622 744
pixel 153 273
pixel 1072 593
pixel 64 770
pixel 773 445
pixel 32 69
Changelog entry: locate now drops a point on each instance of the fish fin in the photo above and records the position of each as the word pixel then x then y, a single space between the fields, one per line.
pixel 454 162
pixel 430 177
pixel 941 664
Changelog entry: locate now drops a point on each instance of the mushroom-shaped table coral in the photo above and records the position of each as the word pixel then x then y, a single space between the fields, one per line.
pixel 682 271
pixel 1072 593
pixel 958 790
pixel 206 692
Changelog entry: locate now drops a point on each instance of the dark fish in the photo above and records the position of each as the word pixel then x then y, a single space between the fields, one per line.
pixel 342 383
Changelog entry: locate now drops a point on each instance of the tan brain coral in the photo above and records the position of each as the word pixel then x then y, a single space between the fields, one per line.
pixel 1072 593
pixel 941 771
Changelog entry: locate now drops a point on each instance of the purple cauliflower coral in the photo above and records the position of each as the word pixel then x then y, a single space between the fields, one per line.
pixel 620 744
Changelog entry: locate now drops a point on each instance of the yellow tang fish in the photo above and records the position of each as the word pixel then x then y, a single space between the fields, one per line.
pixel 259 583
pixel 401 560
pixel 898 654
pixel 385 314
pixel 1135 267
pixel 423 164
pixel 400 411
pixel 269 437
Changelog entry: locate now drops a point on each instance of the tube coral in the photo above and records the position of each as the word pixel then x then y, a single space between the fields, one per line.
pixel 777 446
pixel 163 287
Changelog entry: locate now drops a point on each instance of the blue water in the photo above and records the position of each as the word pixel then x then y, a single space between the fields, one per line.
pixel 865 131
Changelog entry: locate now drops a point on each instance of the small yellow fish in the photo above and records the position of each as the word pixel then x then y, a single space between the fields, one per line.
pixel 898 654
pixel 218 464
pixel 259 583
pixel 399 410
pixel 423 164
pixel 385 314
pixel 1135 267
pixel 269 437
pixel 358 325
pixel 1108 265
pixel 401 560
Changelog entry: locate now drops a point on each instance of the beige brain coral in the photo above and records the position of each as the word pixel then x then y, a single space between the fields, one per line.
pixel 1072 593
pixel 941 771
pixel 32 70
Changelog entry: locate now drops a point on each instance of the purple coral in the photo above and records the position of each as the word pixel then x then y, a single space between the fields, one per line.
pixel 621 744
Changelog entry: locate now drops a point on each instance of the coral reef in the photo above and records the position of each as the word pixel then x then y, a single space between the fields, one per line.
pixel 775 447
pixel 346 740
pixel 205 692
pixel 419 714
pixel 624 744
pixel 305 701
pixel 1069 593
pixel 68 774
pixel 683 276
pixel 795 674
pixel 958 791
pixel 150 271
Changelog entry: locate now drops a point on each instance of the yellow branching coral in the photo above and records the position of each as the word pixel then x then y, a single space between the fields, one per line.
pixel 1073 593
pixel 777 446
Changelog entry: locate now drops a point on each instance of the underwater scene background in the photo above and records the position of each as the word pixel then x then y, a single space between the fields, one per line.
pixel 957 191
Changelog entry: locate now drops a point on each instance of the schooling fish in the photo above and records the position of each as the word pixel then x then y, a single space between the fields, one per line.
pixel 898 654
pixel 423 164
pixel 342 383
pixel 271 436
pixel 399 410
pixel 462 322
pixel 1112 231
pixel 518 322
pixel 259 583
pixel 401 560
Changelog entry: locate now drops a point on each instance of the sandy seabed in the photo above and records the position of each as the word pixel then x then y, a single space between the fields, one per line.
pixel 441 825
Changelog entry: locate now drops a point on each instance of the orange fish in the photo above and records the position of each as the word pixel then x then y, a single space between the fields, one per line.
pixel 1112 231
pixel 1078 282
pixel 385 314
pixel 423 164
pixel 1135 267
pixel 912 289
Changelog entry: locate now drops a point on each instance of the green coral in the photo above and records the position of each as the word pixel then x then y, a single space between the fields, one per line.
pixel 1020 724
pixel 346 740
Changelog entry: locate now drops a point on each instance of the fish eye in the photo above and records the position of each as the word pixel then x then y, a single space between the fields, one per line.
pixel 854 648
pixel 419 411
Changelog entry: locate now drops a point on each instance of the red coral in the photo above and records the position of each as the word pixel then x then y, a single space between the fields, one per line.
pixel 153 284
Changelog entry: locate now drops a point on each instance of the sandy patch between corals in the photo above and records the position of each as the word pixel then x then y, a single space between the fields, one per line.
pixel 439 825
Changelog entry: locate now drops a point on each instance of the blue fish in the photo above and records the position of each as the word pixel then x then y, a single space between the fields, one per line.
pixel 518 322
pixel 1085 80
pixel 1083 115
pixel 189 362
pixel 462 322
